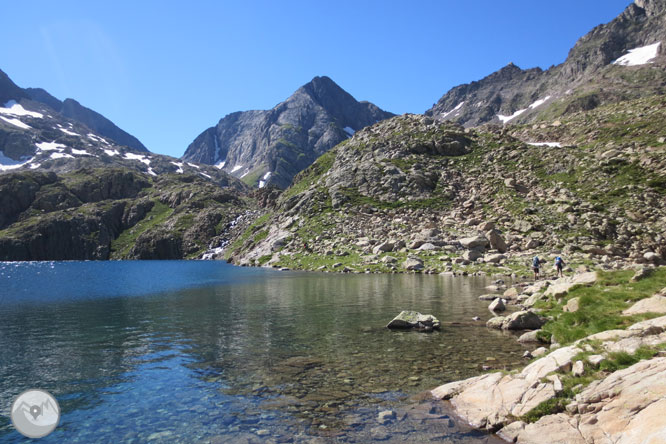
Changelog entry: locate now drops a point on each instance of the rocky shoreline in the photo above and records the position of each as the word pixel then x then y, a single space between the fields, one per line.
pixel 584 392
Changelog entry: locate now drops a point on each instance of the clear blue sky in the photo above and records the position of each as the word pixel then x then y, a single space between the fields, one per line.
pixel 165 71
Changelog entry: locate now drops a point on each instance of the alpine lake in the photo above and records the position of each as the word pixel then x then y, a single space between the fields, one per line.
pixel 205 352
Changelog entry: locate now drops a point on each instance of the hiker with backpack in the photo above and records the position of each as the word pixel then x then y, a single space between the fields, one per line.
pixel 559 265
pixel 536 263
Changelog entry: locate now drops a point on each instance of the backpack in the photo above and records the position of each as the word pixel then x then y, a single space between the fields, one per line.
pixel 535 261
pixel 559 261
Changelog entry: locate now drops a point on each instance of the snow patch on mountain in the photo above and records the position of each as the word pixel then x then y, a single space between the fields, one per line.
pixel 447 114
pixel 50 146
pixel 139 157
pixel 60 155
pixel 506 119
pixel 639 56
pixel 15 122
pixel 110 152
pixel 7 163
pixel 70 133
pixel 16 109
pixel 534 105
pixel 180 167
pixel 80 152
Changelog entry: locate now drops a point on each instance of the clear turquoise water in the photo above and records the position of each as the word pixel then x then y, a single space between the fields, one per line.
pixel 184 351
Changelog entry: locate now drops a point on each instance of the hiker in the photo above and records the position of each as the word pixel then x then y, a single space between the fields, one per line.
pixel 536 263
pixel 559 265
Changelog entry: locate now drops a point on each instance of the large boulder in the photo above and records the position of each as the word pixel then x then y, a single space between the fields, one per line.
pixel 383 247
pixel 496 241
pixel 523 320
pixel 413 319
pixel 559 289
pixel 655 304
pixel 474 242
pixel 413 264
pixel 496 322
pixel 497 305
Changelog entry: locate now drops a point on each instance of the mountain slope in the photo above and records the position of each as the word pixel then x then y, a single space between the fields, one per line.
pixel 411 190
pixel 69 108
pixel 272 146
pixel 588 77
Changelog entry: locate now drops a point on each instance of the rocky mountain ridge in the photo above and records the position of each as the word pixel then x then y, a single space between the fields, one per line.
pixel 69 109
pixel 115 213
pixel 596 71
pixel 270 147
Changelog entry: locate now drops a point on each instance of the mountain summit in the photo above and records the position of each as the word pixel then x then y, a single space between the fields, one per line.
pixel 620 60
pixel 272 146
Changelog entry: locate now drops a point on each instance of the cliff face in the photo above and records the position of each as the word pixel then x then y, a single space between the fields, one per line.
pixel 587 78
pixel 272 146
pixel 112 213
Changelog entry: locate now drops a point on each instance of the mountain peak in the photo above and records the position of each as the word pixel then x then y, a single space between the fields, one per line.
pixel 272 146
pixel 325 91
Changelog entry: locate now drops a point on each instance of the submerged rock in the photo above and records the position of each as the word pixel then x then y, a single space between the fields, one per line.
pixel 414 319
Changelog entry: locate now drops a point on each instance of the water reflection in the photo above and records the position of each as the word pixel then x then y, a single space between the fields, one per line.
pixel 247 354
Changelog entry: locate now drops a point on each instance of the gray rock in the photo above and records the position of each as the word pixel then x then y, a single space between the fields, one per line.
pixel 413 319
pixel 472 255
pixel 497 305
pixel 474 242
pixel 530 336
pixel 496 241
pixel 541 351
pixel 641 273
pixel 496 322
pixel 578 368
pixel 595 360
pixel 572 306
pixel 386 416
pixel 413 264
pixel 523 320
pixel 494 258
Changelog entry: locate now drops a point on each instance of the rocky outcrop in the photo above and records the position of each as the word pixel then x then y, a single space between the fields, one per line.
pixel 271 147
pixel 622 407
pixel 625 408
pixel 96 214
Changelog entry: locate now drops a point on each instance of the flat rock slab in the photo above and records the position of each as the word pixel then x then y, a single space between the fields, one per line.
pixel 625 408
pixel 413 319
pixel 655 304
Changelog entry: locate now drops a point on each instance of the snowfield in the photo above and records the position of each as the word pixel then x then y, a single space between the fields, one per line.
pixel 639 56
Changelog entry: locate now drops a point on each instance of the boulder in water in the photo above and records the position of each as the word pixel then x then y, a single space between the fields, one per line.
pixel 414 319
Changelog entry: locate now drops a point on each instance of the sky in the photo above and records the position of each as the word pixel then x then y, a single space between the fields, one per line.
pixel 164 71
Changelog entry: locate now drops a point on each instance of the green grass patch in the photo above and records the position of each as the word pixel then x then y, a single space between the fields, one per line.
pixel 601 305
pixel 248 233
pixel 121 246
pixel 310 175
